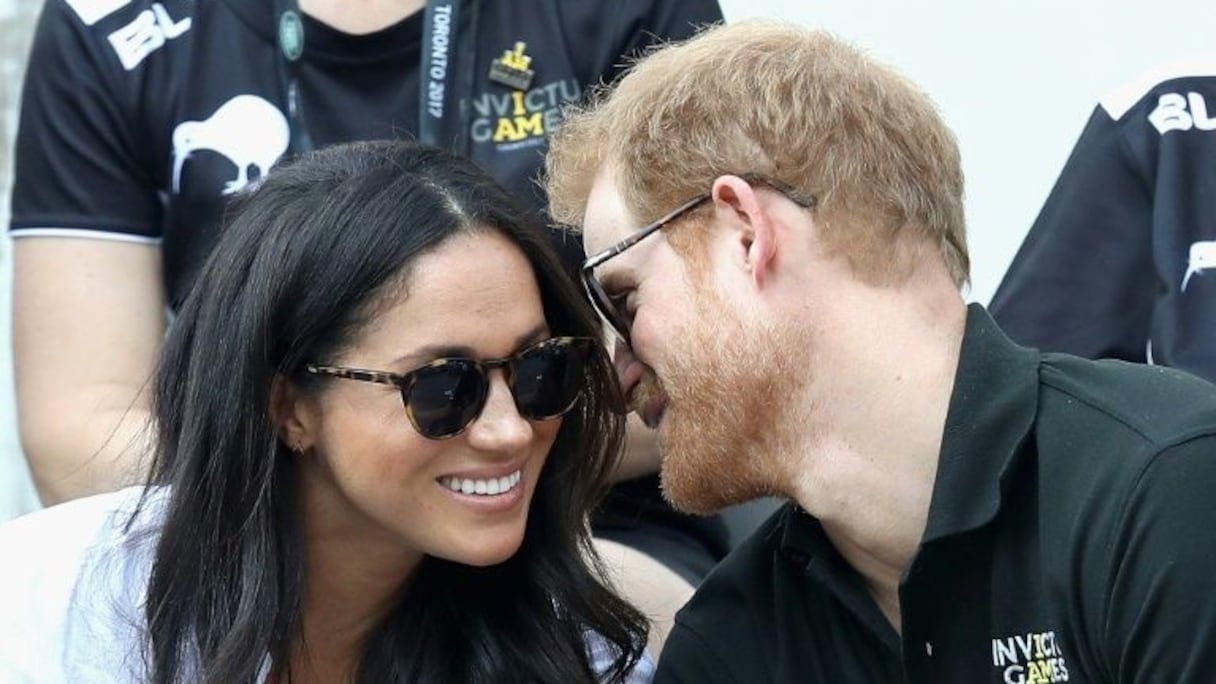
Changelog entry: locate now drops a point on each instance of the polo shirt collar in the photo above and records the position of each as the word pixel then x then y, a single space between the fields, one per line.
pixel 802 542
pixel 991 415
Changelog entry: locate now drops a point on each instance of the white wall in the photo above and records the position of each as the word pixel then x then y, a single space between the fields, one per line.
pixel 1015 80
pixel 16 20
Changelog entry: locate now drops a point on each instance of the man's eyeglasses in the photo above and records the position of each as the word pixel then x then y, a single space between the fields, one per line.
pixel 609 306
pixel 444 396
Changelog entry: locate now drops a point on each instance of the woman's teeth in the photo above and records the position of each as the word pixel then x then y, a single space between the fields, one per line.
pixel 491 487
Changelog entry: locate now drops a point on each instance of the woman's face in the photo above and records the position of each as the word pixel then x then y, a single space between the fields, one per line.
pixel 370 480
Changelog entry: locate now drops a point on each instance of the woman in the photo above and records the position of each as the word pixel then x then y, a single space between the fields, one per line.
pixel 381 421
pixel 141 118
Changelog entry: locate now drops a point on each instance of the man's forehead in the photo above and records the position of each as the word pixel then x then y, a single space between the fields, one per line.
pixel 607 220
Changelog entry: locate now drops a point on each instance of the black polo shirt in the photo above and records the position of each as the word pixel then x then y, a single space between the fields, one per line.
pixel 1071 538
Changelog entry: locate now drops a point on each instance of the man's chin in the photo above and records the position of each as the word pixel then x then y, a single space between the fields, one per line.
pixel 693 485
pixel 695 500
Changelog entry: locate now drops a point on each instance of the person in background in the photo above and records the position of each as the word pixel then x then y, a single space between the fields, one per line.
pixel 1119 263
pixel 140 119
pixel 381 419
pixel 776 230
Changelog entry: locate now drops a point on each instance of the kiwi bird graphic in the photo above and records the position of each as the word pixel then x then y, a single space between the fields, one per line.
pixel 247 129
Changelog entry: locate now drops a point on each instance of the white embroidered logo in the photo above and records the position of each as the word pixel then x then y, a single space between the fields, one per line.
pixel 1171 113
pixel 1202 257
pixel 150 30
pixel 247 129
pixel 1031 658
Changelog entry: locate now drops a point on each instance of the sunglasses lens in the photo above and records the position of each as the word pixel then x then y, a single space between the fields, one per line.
pixel 445 398
pixel 548 378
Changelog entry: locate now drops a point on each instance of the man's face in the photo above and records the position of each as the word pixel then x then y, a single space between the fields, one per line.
pixel 699 371
pixel 649 289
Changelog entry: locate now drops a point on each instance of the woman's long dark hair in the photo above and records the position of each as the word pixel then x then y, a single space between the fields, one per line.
pixel 304 262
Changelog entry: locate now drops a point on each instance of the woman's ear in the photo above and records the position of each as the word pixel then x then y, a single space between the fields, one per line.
pixel 292 413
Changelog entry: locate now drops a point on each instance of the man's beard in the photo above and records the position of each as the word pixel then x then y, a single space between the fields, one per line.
pixel 725 433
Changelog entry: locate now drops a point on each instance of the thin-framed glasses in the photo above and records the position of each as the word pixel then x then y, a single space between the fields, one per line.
pixel 606 304
pixel 443 397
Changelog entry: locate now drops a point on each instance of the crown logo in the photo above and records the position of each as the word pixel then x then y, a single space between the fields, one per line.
pixel 512 69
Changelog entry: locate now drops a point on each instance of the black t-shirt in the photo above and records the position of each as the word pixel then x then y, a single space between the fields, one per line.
pixel 1069 539
pixel 140 119
pixel 1121 262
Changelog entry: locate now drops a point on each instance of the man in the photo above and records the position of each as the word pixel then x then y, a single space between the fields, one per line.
pixel 961 509
pixel 1120 261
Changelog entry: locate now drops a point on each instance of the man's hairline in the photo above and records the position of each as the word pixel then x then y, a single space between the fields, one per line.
pixel 606 166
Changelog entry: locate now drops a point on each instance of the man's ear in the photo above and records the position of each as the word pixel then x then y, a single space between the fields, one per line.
pixel 292 413
pixel 744 210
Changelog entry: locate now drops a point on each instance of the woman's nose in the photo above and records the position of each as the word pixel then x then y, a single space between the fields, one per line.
pixel 500 425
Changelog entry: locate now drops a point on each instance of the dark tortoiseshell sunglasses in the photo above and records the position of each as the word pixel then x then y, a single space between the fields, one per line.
pixel 444 396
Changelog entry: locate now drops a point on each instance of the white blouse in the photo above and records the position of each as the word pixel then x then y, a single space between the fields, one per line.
pixel 73 582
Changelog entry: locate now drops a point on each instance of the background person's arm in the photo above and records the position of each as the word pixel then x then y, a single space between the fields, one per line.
pixel 88 317
pixel 88 309
pixel 1121 261
pixel 1082 281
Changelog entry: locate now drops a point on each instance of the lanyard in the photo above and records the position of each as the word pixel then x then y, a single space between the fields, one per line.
pixel 437 92
pixel 439 100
